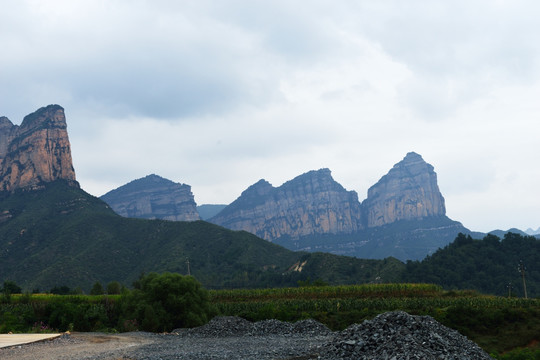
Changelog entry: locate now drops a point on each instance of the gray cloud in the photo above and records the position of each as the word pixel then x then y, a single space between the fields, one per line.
pixel 221 94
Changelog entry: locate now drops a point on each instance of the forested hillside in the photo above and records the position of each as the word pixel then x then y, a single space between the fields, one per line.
pixel 489 265
pixel 60 235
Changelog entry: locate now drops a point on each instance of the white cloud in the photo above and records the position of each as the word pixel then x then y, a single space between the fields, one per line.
pixel 221 94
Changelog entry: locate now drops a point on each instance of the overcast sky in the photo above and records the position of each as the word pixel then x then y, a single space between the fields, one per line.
pixel 219 94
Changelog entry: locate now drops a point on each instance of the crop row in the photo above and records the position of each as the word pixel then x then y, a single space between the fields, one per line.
pixel 329 292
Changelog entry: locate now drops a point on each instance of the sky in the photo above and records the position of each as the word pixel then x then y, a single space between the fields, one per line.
pixel 220 94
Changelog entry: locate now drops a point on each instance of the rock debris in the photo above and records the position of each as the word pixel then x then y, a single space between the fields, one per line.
pixel 389 336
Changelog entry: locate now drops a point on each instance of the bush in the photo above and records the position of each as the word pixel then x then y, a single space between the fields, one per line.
pixel 163 302
pixel 10 287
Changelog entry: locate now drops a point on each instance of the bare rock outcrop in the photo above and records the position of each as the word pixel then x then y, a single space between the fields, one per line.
pixel 312 203
pixel 153 197
pixel 36 152
pixel 408 192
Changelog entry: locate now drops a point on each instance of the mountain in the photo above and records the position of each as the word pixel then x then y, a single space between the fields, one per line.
pixel 36 152
pixel 408 192
pixel 501 233
pixel 404 215
pixel 531 231
pixel 312 203
pixel 60 235
pixel 153 197
pixel 206 211
pixel 52 233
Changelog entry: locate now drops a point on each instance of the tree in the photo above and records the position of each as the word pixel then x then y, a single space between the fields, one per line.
pixel 114 288
pixel 97 289
pixel 10 287
pixel 61 290
pixel 166 301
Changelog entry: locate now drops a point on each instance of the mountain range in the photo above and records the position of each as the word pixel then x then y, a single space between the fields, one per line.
pixel 404 215
pixel 53 233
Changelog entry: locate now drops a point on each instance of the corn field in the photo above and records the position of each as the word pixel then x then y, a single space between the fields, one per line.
pixel 355 302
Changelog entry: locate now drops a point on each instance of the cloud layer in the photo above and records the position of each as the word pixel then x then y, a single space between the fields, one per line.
pixel 221 94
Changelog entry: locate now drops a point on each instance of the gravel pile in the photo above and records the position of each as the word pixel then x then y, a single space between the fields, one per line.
pixel 310 327
pixel 220 326
pixel 398 335
pixel 223 326
pixel 271 327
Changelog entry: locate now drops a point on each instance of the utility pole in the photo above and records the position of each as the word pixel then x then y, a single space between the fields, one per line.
pixel 509 286
pixel 521 269
pixel 188 270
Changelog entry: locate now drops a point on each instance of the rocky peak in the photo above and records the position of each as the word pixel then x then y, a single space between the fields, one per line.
pixel 409 191
pixel 260 188
pixel 312 203
pixel 7 133
pixel 36 152
pixel 153 197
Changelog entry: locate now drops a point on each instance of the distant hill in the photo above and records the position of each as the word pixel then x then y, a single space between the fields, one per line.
pixel 532 231
pixel 206 211
pixel 501 233
pixel 60 235
pixel 489 265
pixel 404 240
pixel 153 197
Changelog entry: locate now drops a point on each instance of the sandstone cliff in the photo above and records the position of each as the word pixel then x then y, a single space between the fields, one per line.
pixel 408 192
pixel 312 203
pixel 153 197
pixel 37 151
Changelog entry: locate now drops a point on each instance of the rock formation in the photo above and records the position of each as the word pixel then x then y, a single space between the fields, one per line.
pixel 153 197
pixel 403 215
pixel 408 192
pixel 312 203
pixel 37 151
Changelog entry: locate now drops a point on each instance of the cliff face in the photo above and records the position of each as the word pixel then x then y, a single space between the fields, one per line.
pixel 37 151
pixel 312 203
pixel 408 192
pixel 153 197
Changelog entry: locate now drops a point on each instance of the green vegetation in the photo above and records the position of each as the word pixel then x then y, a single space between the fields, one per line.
pixel 167 301
pixel 159 302
pixel 61 236
pixel 506 326
pixel 489 265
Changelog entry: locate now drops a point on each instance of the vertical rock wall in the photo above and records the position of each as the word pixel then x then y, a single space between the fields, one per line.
pixel 409 191
pixel 37 151
pixel 312 203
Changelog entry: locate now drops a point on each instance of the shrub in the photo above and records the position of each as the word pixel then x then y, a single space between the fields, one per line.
pixel 162 302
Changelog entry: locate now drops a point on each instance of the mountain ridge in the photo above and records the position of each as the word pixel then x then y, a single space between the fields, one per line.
pixel 153 197
pixel 313 206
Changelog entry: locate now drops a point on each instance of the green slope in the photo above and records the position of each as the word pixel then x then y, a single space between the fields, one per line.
pixel 488 265
pixel 61 235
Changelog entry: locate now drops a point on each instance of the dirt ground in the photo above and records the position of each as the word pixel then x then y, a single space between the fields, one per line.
pixel 74 346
